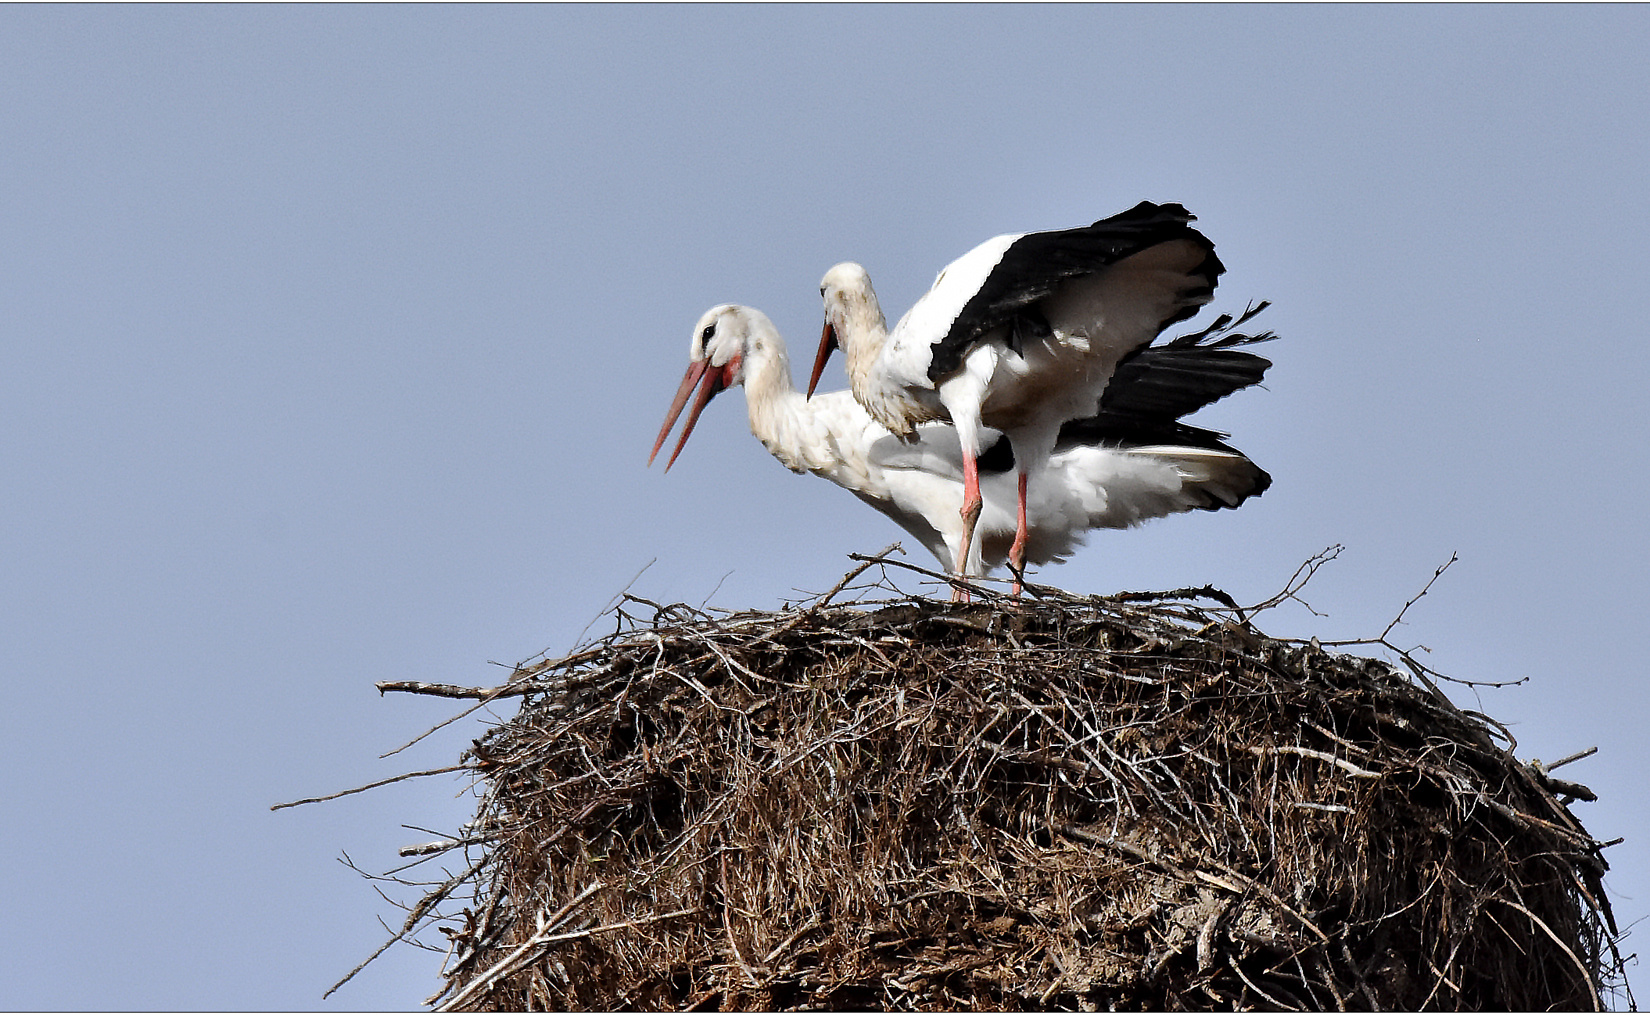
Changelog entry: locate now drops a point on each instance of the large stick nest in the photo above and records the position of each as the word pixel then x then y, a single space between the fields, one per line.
pixel 1057 802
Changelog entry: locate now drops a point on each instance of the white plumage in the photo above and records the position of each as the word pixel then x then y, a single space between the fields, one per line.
pixel 1021 334
pixel 919 482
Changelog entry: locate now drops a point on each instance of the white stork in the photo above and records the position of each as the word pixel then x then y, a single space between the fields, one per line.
pixel 1020 334
pixel 1089 482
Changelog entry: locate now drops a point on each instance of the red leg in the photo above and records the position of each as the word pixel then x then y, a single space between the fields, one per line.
pixel 970 518
pixel 1017 552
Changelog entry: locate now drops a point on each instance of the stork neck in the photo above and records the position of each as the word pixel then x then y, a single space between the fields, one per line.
pixel 767 372
pixel 795 429
pixel 862 331
pixel 779 415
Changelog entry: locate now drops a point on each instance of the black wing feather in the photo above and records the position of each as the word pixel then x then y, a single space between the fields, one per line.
pixel 1151 390
pixel 1036 264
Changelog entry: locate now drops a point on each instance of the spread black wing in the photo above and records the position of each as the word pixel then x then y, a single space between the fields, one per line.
pixel 1037 263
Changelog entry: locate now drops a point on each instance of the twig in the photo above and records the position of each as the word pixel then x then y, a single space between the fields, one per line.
pixel 1126 848
pixel 438 726
pixel 1306 752
pixel 372 785
pixel 971 585
pixel 779 949
pixel 1297 581
pixel 880 557
pixel 1274 1002
pixel 715 589
pixel 1577 756
pixel 1476 729
pixel 1453 557
pixel 1264 892
pixel 442 846
pixel 614 601
pixel 1587 977
pixel 521 674
pixel 418 913
pixel 727 926
pixel 450 690
pixel 1201 592
pixel 574 935
pixel 485 979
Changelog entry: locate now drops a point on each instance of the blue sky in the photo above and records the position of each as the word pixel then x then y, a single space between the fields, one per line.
pixel 333 340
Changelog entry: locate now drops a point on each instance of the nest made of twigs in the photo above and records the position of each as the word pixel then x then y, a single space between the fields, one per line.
pixel 1057 802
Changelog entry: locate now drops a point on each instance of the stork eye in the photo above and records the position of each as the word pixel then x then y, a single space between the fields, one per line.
pixel 708 333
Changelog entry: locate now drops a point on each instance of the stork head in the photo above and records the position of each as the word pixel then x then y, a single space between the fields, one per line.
pixel 844 289
pixel 716 360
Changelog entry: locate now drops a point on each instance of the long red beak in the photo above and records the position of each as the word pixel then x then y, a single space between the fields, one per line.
pixel 714 380
pixel 827 345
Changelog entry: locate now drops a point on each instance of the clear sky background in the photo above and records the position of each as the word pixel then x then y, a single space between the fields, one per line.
pixel 333 341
